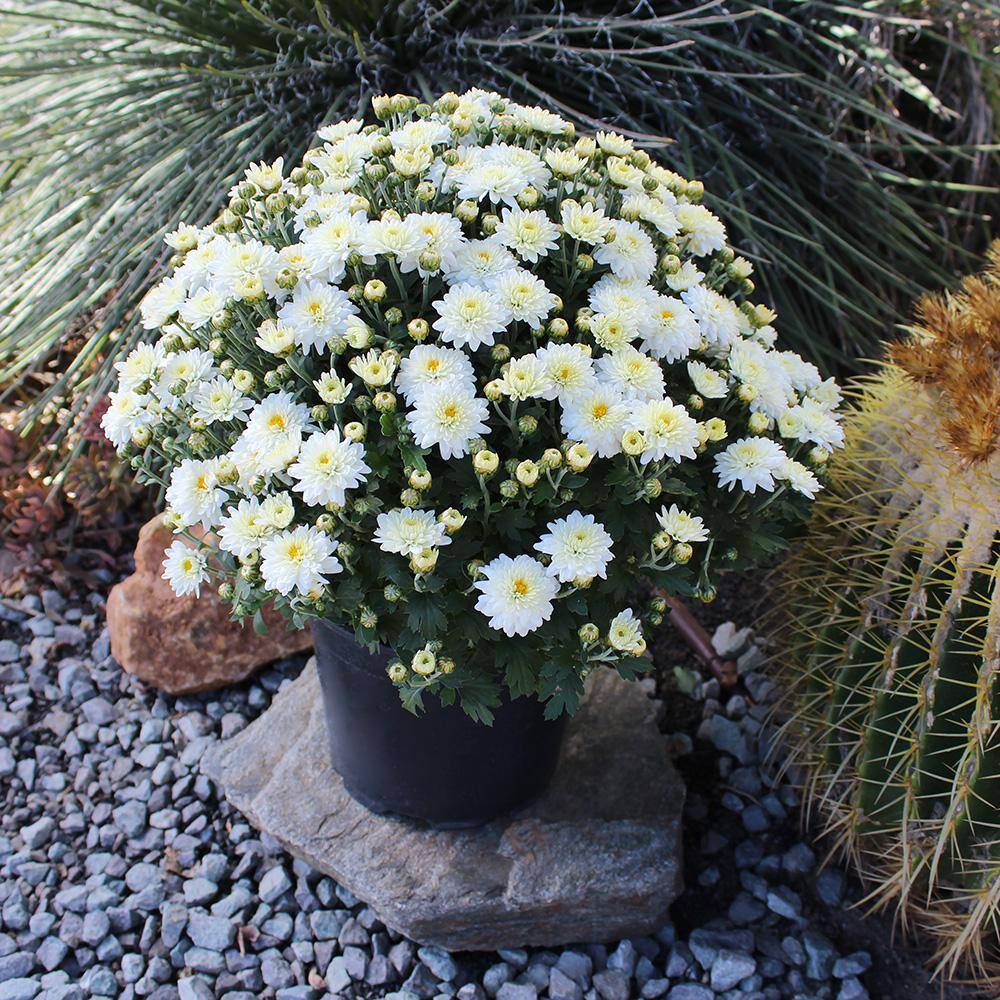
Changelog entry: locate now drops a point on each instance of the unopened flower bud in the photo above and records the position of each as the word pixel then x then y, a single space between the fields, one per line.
pixel 354 431
pixel 393 316
pixel 589 633
pixel 429 261
pixel 326 523
pixel 633 442
pixel 375 290
pixel 716 428
pixel 652 488
pixel 485 462
pixel 500 353
pixel 424 561
pixel 141 437
pixel 384 402
pixel 493 390
pixel 747 393
pixel 579 457
pixel 409 497
pixel 467 211
pixel 695 402
pixel 527 473
pixel 222 320
pixel 392 593
pixel 551 458
pixel 662 541
pixel 418 329
pixel 528 198
pixel 509 489
pixel 584 262
pixel 452 520
pixel 527 424
pixel 396 671
pixel 558 328
pixel 819 456
pixel 488 224
pixel 446 664
pixel 758 422
pixel 681 553
pixel 425 191
pixel 420 480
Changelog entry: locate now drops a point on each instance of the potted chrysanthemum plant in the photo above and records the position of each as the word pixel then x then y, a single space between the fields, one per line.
pixel 447 390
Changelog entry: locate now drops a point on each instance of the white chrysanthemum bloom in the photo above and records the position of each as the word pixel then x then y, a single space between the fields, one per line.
pixel 802 375
pixel 220 400
pixel 799 478
pixel 705 232
pixel 315 313
pixel 470 316
pixel 564 162
pixel 762 372
pixel 420 132
pixel 256 454
pixel 428 364
pixel 817 424
pixel 374 368
pixel 631 254
pixel 240 261
pixel 526 162
pixel 201 306
pixel 278 510
pixel 186 369
pixel 341 162
pixel 614 144
pixel 654 211
pixel 525 296
pixel 751 462
pixel 516 594
pixel 682 526
pixel 127 411
pixel 298 560
pixel 707 381
pixel 327 246
pixel 142 365
pixel 277 419
pixel 586 223
pixel 412 162
pixel 672 333
pixel 625 175
pixel 579 547
pixel 631 302
pixel 325 204
pixel 441 233
pixel 540 119
pixel 194 493
pixel 494 179
pixel 196 270
pixel 185 569
pixel 826 395
pixel 393 237
pixel 185 237
pixel 448 416
pixel 479 262
pixel 327 467
pixel 275 338
pixel 625 633
pixel 669 430
pixel 526 377
pixel 634 374
pixel 406 532
pixel 611 331
pixel 569 368
pixel 686 277
pixel 531 235
pixel 337 130
pixel 266 176
pixel 162 302
pixel 332 389
pixel 596 417
pixel 719 318
pixel 244 528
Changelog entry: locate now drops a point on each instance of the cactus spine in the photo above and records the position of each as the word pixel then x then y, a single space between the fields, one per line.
pixel 891 626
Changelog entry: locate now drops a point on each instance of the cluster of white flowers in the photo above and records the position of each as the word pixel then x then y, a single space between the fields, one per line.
pixel 445 289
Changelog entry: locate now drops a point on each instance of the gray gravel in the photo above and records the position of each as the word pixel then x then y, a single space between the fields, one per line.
pixel 122 874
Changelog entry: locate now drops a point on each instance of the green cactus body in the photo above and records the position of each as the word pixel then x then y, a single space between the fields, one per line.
pixel 891 668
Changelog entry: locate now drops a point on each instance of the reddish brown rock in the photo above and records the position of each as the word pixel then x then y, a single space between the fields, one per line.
pixel 186 644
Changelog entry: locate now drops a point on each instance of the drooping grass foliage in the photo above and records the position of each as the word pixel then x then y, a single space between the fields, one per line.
pixel 891 626
pixel 825 130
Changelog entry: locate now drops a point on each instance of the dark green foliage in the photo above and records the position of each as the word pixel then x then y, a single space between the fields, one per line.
pixel 808 121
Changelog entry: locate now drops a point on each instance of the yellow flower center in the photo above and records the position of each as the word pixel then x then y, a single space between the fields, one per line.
pixel 521 587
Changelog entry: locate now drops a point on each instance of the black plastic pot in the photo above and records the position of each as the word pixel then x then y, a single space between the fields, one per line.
pixel 440 766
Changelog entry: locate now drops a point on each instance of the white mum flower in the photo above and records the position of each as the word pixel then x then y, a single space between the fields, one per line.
pixel 317 312
pixel 525 296
pixel 374 368
pixel 625 633
pixel 707 381
pixel 263 454
pixel 278 510
pixel 762 372
pixel 183 371
pixel 673 331
pixel 327 467
pixel 826 395
pixel 579 546
pixel 337 130
pixel 530 234
pixel 393 237
pixel 564 162
pixel 127 411
pixel 631 302
pixel 162 302
pixel 634 374
pixel 682 526
pixel 194 493
pixel 201 306
pixel 406 531
pixel 654 211
pixel 470 316
pixel 817 424
pixel 751 462
pixel 220 400
pixel 705 233
pixel 298 560
pixel 527 377
pixel 196 270
pixel 668 428
pixel 686 277
pixel 614 144
pixel 244 528
pixel 143 364
pixel 479 262
pixel 596 417
pixel 494 179
pixel 586 223
pixel 239 262
pixel 332 389
pixel 799 478
pixel 275 338
pixel 631 254
pixel 448 416
pixel 327 246
pixel 540 119
pixel 428 364
pixel 421 132
pixel 266 176
pixel 516 594
pixel 719 318
pixel 569 369
pixel 185 569
pixel 441 233
pixel 325 204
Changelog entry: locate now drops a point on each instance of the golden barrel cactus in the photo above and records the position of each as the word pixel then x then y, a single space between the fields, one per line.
pixel 890 627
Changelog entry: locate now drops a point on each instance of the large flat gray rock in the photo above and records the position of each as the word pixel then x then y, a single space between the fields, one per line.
pixel 597 857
